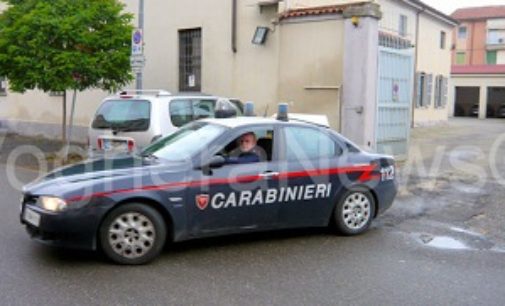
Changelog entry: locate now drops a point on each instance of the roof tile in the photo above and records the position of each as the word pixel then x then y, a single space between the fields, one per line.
pixel 483 12
pixel 314 11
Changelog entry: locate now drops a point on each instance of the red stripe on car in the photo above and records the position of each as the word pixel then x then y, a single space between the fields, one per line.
pixel 366 176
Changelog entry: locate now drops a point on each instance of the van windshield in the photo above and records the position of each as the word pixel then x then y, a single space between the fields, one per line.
pixel 186 142
pixel 123 115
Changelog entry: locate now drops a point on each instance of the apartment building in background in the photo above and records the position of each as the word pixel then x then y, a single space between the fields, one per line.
pixel 478 62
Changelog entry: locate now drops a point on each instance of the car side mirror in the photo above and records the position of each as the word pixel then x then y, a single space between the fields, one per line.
pixel 217 161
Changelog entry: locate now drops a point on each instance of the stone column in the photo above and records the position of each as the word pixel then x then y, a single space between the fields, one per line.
pixel 359 93
pixel 483 102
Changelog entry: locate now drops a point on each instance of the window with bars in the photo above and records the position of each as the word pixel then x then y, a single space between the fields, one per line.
pixel 190 60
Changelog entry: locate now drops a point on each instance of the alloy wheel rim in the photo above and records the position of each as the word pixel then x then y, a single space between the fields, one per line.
pixel 131 235
pixel 356 211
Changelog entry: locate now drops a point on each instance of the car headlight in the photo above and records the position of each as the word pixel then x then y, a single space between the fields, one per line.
pixel 52 203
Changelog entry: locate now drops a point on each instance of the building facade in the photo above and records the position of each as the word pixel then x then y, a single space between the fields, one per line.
pixel 212 46
pixel 478 59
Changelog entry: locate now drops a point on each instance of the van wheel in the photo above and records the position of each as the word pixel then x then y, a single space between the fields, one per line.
pixel 133 234
pixel 354 212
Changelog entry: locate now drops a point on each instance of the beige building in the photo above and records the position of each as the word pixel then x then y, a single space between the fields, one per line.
pixel 300 62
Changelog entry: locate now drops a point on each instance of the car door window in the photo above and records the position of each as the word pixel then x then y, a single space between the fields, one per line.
pixel 240 146
pixel 181 112
pixel 303 143
pixel 203 108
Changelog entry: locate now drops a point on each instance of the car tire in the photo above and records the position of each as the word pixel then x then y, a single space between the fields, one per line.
pixel 133 234
pixel 354 212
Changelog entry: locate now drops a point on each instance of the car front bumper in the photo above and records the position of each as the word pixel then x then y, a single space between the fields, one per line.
pixel 75 228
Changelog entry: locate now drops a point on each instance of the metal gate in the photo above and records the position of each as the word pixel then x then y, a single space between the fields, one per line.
pixel 396 71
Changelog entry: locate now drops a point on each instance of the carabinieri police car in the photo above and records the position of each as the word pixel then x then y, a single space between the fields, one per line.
pixel 212 177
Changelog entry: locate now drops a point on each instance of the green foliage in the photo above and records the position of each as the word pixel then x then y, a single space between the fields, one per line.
pixel 57 45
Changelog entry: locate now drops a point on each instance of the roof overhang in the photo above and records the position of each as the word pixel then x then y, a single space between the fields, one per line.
pixel 422 7
pixel 319 10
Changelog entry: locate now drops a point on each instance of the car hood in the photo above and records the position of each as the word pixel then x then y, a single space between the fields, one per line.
pixel 99 171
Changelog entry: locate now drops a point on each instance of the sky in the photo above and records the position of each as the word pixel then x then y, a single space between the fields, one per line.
pixel 449 6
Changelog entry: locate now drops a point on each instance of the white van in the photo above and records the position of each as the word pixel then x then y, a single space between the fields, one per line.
pixel 133 119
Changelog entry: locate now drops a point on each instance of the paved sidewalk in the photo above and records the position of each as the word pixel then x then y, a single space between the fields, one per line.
pixel 28 152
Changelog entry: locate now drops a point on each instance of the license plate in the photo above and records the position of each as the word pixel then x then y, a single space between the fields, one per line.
pixel 115 145
pixel 31 217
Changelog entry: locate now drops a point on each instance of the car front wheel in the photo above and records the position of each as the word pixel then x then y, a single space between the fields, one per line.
pixel 133 234
pixel 354 212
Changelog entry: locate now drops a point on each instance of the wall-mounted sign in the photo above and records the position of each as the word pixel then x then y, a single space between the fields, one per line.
pixel 396 91
pixel 260 36
pixel 191 80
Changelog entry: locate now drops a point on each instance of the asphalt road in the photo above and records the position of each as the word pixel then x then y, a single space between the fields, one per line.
pixel 387 266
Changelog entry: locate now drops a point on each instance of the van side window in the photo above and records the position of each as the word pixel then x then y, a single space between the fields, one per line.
pixel 183 111
pixel 180 112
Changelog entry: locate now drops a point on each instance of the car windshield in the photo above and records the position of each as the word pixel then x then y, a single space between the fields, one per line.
pixel 124 115
pixel 186 142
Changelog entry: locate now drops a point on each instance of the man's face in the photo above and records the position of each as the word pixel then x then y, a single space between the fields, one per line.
pixel 247 142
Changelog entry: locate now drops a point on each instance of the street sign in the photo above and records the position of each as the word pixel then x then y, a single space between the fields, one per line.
pixel 137 42
pixel 137 62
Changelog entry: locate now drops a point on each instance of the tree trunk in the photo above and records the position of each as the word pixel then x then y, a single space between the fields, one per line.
pixel 71 123
pixel 64 118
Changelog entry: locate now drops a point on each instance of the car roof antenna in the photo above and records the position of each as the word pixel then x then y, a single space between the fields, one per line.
pixel 266 111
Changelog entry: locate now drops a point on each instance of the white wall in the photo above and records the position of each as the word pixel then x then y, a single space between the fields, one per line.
pixel 390 22
pixel 500 57
pixel 431 59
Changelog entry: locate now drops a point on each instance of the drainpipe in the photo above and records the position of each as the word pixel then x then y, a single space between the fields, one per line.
pixel 234 26
pixel 414 93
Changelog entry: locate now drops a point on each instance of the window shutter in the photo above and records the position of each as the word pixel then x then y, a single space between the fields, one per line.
pixel 444 91
pixel 428 92
pixel 437 91
pixel 419 89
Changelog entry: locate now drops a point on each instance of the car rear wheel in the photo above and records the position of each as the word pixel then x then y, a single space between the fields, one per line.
pixel 133 234
pixel 354 212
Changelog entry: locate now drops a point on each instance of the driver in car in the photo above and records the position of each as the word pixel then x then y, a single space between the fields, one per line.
pixel 247 151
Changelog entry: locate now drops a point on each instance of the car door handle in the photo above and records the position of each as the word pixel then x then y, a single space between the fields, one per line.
pixel 269 174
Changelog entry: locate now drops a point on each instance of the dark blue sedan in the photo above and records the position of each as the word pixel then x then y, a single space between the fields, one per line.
pixel 212 177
